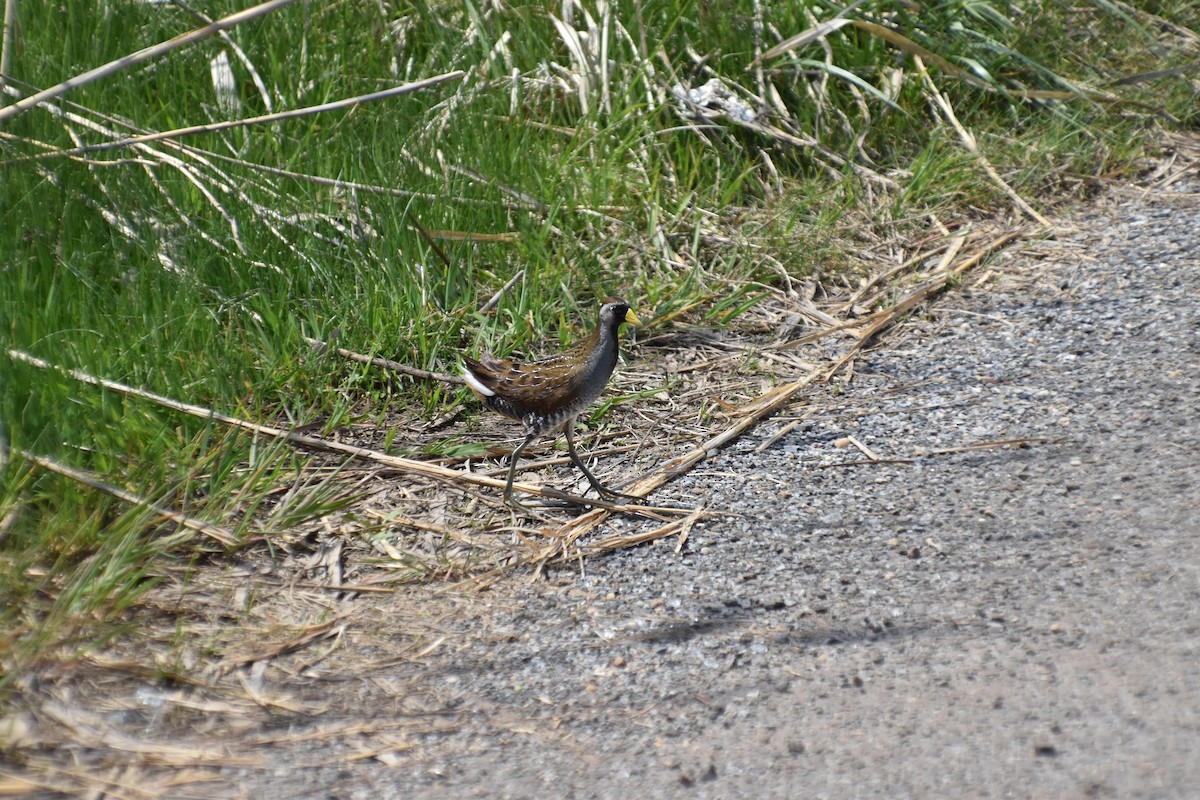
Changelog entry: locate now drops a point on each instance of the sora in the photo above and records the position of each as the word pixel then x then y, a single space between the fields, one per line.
pixel 551 393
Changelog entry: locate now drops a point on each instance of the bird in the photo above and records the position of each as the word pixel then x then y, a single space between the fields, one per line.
pixel 550 394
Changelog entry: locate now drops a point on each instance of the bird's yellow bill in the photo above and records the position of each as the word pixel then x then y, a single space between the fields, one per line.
pixel 632 318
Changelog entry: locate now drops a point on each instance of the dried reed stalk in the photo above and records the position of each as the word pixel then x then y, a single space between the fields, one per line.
pixel 145 54
pixel 386 363
pixel 222 535
pixel 317 443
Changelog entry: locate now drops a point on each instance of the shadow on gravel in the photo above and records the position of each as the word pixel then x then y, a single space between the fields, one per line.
pixel 817 635
pixel 683 631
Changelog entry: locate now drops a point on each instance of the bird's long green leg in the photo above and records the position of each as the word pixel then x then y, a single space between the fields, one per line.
pixel 512 470
pixel 600 488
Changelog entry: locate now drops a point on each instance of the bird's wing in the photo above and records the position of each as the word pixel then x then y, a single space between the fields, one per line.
pixel 533 386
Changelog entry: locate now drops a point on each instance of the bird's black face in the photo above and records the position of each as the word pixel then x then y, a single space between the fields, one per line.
pixel 614 312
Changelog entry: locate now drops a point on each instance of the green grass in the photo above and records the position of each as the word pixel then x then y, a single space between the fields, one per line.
pixel 190 270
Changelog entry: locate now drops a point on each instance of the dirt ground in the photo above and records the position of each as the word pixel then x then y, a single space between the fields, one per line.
pixel 972 570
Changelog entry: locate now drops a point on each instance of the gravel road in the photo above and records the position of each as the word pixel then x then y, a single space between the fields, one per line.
pixel 992 622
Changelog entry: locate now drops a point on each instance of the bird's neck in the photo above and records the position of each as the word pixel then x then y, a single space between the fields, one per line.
pixel 601 348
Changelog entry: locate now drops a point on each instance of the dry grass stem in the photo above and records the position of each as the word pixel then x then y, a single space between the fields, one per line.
pixel 215 532
pixel 6 41
pixel 775 437
pixel 862 448
pixel 385 363
pixel 213 127
pixel 143 55
pixel 621 541
pixel 494 299
pixel 396 462
pixel 968 141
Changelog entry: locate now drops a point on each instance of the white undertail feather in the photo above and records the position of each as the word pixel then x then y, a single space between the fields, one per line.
pixel 474 383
